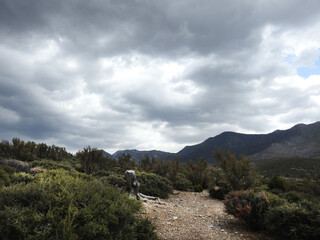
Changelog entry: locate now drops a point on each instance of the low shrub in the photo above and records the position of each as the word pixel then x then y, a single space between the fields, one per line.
pixel 294 221
pixel 145 230
pixel 6 173
pixel 292 196
pixel 290 217
pixel 277 183
pixel 219 192
pixel 261 188
pixel 22 177
pixel 50 164
pixel 4 177
pixel 197 188
pixel 117 180
pixel 248 206
pixel 102 173
pixel 181 183
pixel 154 185
pixel 69 205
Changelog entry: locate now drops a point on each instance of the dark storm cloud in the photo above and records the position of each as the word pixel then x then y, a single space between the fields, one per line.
pixel 165 28
pixel 34 119
pixel 54 86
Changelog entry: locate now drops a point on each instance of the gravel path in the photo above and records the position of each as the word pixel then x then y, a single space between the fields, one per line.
pixel 193 216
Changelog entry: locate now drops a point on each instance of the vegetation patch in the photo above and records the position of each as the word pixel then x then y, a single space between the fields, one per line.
pixel 154 185
pixel 59 205
pixel 181 183
pixel 289 167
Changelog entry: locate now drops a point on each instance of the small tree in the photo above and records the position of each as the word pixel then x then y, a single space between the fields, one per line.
pixel 197 172
pixel 277 182
pixel 238 173
pixel 125 162
pixel 145 164
pixel 91 159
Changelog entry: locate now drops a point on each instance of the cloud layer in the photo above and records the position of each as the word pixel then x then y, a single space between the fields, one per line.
pixel 155 74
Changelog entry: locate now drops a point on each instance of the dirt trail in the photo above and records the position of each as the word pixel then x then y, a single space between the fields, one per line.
pixel 193 216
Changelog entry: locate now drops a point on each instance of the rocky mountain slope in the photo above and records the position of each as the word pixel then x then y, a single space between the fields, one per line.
pixel 137 155
pixel 301 140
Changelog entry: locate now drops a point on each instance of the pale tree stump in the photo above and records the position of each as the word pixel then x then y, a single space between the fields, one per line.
pixel 134 188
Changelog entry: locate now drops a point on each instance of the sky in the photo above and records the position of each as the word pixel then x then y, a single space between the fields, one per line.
pixel 150 74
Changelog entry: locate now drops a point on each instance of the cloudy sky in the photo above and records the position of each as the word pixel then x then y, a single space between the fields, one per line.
pixel 150 74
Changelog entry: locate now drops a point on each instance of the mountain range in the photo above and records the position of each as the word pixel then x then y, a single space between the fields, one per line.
pixel 302 140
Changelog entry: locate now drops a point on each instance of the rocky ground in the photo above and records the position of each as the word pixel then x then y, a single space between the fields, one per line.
pixel 191 215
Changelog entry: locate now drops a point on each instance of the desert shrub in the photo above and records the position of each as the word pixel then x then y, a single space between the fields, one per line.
pixel 248 206
pixel 197 188
pixel 4 177
pixel 261 188
pixel 277 183
pixel 10 170
pixel 181 183
pixel 237 171
pixel 91 159
pixel 218 192
pixel 150 183
pixel 294 221
pixel 292 196
pixel 283 218
pixel 69 205
pixel 22 177
pixel 6 173
pixel 117 180
pixel 197 172
pixel 145 230
pixel 50 164
pixel 102 173
pixel 154 185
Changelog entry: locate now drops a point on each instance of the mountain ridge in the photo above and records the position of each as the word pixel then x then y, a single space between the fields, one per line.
pixel 301 140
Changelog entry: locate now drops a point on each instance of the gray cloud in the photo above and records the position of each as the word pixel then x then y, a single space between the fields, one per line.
pixel 150 74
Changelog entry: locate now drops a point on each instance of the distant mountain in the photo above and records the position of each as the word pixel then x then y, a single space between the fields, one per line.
pixel 137 155
pixel 106 154
pixel 299 141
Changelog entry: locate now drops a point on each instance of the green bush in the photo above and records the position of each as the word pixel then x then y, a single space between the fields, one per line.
pixel 154 185
pixel 145 230
pixel 292 196
pixel 6 173
pixel 248 206
pixel 197 188
pixel 50 164
pixel 293 217
pixel 277 183
pixel 219 191
pixel 294 221
pixel 117 180
pixel 181 183
pixel 22 177
pixel 4 177
pixel 69 205
pixel 237 171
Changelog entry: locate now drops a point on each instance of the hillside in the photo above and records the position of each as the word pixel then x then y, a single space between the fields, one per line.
pixel 301 141
pixel 137 155
pixel 289 167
